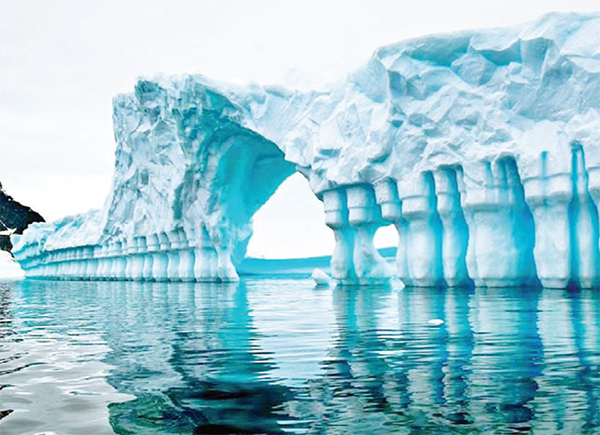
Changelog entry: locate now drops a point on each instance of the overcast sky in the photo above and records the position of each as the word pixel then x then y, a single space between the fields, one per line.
pixel 61 62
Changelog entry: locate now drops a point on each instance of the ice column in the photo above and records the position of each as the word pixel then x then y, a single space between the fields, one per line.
pixel 120 259
pixel 160 260
pixel 152 247
pixel 548 196
pixel 221 241
pixel 455 234
pixel 500 251
pixel 423 232
pixel 364 215
pixel 129 261
pixel 186 259
pixel 205 257
pixel 583 215
pixel 336 218
pixel 93 269
pixel 101 274
pixel 112 260
pixel 386 192
pixel 594 189
pixel 137 258
pixel 173 255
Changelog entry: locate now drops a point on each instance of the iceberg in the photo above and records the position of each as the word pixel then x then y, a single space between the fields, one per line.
pixel 481 147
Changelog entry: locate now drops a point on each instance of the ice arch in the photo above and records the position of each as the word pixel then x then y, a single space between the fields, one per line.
pixel 291 224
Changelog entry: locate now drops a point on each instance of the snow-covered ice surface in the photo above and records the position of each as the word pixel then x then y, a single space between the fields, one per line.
pixel 482 147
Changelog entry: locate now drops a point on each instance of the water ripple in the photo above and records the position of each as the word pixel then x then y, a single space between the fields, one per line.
pixel 278 356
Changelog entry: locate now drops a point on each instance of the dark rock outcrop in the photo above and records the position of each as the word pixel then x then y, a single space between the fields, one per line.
pixel 14 215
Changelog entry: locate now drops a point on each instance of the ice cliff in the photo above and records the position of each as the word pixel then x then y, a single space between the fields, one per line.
pixel 481 147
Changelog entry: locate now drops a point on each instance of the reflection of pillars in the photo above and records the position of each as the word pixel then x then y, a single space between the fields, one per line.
pixel 584 226
pixel 460 353
pixel 439 339
pixel 424 234
pixel 554 327
pixel 386 192
pixel 455 234
pixel 173 255
pixel 336 218
pixel 355 366
pixel 160 261
pixel 186 259
pixel 365 216
pixel 529 353
pixel 228 366
pixel 426 346
pixel 205 257
pixel 507 364
pixel 585 315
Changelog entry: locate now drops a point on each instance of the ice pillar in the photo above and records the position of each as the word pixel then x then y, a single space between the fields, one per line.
pixel 500 251
pixel 160 260
pixel 137 258
pixel 186 258
pixel 336 218
pixel 583 215
pixel 386 192
pixel 364 215
pixel 455 234
pixel 152 247
pixel 423 232
pixel 205 257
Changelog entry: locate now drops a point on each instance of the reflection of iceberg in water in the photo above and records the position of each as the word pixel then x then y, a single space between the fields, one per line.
pixel 52 377
pixel 276 355
pixel 489 367
pixel 570 327
pixel 187 352
pixel 508 360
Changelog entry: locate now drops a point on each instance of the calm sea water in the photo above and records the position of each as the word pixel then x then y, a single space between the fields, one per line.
pixel 279 356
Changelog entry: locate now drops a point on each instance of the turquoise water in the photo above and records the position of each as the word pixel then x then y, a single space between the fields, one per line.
pixel 279 356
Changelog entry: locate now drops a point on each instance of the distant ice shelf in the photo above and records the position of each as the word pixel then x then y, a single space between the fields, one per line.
pixel 481 147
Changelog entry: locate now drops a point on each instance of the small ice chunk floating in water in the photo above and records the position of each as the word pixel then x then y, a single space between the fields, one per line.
pixel 320 278
pixel 435 322
pixel 481 147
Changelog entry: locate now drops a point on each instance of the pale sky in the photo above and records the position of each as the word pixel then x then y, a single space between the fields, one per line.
pixel 61 63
